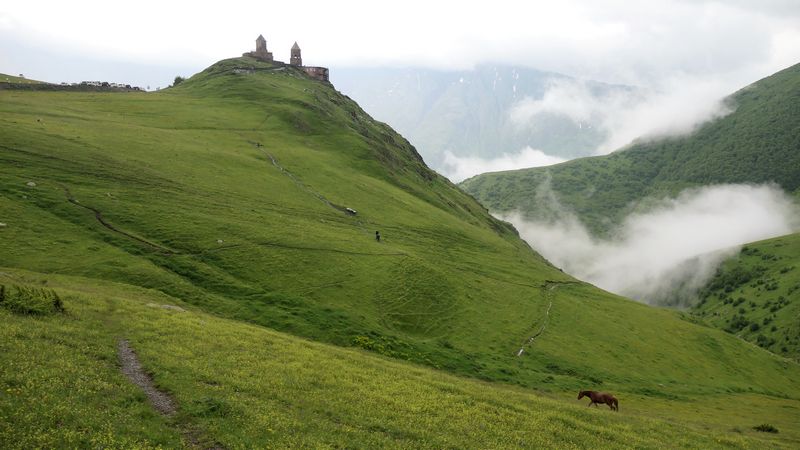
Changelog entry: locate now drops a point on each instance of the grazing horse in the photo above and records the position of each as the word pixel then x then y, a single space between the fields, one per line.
pixel 600 397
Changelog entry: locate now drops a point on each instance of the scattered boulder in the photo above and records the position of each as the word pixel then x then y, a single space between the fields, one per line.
pixel 3 224
pixel 219 241
pixel 30 184
pixel 170 307
pixel 173 308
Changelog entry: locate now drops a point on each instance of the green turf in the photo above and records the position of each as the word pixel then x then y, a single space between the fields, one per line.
pixel 243 386
pixel 759 142
pixel 228 193
pixel 756 295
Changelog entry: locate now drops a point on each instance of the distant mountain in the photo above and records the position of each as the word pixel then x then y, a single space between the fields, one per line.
pixel 757 143
pixel 469 112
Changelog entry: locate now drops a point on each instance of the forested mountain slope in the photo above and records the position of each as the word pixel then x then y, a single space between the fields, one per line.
pixel 756 295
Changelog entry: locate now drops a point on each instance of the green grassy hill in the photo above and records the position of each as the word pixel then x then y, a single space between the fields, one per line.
pixel 229 192
pixel 19 80
pixel 757 143
pixel 756 295
pixel 243 386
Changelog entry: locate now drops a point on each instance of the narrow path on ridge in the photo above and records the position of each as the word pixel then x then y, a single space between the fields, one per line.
pixel 302 185
pixel 297 181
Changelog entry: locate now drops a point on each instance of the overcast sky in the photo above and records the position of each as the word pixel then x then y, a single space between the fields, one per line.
pixel 609 40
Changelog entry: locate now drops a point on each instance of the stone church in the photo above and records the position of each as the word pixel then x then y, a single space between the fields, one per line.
pixel 295 59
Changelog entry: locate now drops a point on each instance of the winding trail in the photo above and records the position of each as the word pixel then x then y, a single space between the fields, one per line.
pixel 132 369
pixel 302 185
pixel 548 287
pixel 161 401
pixel 342 209
pixel 99 216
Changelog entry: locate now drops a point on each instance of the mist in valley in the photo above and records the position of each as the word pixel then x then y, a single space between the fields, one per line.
pixel 663 255
pixel 459 168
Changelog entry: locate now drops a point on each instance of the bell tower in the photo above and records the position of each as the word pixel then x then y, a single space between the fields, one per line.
pixel 261 44
pixel 296 59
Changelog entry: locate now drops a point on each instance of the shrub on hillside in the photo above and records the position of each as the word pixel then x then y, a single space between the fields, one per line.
pixel 30 300
pixel 737 323
pixel 766 428
pixel 763 341
pixel 729 280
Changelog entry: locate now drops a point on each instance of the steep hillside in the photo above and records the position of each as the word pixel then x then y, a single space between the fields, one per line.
pixel 758 142
pixel 756 295
pixel 469 112
pixel 239 386
pixel 230 193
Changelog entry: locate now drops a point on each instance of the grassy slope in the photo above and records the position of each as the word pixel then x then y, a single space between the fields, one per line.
pixel 759 142
pixel 245 386
pixel 13 79
pixel 756 295
pixel 180 170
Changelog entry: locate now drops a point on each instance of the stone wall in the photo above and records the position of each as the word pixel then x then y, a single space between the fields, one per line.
pixel 261 56
pixel 317 73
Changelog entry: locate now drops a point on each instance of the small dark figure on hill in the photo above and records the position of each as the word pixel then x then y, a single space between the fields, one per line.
pixel 378 236
pixel 600 397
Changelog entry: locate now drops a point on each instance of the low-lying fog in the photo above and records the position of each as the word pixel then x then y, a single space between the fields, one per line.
pixel 664 255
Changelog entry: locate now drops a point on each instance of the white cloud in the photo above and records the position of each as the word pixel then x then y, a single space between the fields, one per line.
pixel 679 105
pixel 458 168
pixel 610 40
pixel 662 255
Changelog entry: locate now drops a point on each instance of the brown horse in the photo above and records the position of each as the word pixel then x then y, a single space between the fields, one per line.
pixel 600 397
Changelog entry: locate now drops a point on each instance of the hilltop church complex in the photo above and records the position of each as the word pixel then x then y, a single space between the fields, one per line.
pixel 261 54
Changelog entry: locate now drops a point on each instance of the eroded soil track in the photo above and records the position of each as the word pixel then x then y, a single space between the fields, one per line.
pixel 132 369
pixel 161 401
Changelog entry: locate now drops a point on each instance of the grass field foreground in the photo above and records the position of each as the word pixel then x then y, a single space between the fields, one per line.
pixel 240 385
